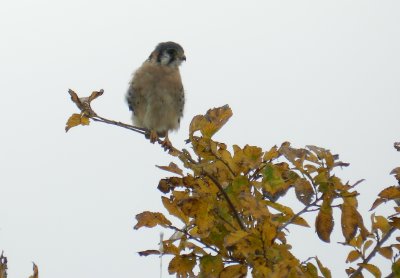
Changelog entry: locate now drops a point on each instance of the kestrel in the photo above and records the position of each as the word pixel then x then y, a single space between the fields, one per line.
pixel 155 95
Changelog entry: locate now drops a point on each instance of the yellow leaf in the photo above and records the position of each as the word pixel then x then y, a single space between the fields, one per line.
pixel 269 232
pixel 173 168
pixel 372 269
pixel 234 271
pixel 396 268
pixel 182 265
pixel 210 266
pixel 211 122
pixel 271 154
pixel 174 209
pixel 324 270
pixel 353 255
pixel 386 252
pixel 151 219
pixel 169 248
pixel 311 270
pixel 390 193
pixel 284 209
pixel 324 222
pixel 35 271
pixel 381 223
pixel 300 221
pixel 367 245
pixel 349 220
pixel 233 238
pixel 75 120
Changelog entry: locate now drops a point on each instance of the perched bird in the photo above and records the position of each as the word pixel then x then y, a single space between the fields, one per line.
pixel 155 94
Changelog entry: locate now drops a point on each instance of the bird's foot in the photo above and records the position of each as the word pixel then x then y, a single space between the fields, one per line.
pixel 153 136
pixel 166 144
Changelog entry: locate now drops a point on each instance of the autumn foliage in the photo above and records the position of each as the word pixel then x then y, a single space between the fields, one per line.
pixel 233 222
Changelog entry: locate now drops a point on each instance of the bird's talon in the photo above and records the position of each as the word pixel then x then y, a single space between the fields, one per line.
pixel 153 136
pixel 166 144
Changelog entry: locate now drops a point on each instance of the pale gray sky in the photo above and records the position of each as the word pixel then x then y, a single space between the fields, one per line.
pixel 309 72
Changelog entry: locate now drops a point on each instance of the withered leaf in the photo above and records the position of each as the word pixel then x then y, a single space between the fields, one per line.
pixel 35 271
pixel 173 168
pixel 151 219
pixel 304 191
pixel 324 222
pixel 149 252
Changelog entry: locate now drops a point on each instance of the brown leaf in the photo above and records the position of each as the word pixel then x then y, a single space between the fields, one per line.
pixel 173 168
pixel 149 252
pixel 3 266
pixel 75 120
pixel 377 202
pixel 151 219
pixel 304 191
pixel 374 270
pixel 324 222
pixel 386 252
pixel 234 271
pixel 83 103
pixel 35 271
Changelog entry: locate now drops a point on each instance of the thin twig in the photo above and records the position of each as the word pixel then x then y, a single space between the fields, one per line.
pixel 194 238
pixel 304 210
pixel 373 252
pixel 228 200
pixel 98 118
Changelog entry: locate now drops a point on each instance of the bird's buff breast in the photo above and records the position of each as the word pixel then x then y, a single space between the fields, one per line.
pixel 162 94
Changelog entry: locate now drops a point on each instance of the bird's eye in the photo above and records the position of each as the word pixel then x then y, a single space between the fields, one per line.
pixel 171 51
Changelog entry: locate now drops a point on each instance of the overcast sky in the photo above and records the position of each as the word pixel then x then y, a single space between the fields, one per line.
pixel 309 72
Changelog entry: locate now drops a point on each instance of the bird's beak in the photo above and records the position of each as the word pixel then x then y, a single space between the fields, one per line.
pixel 183 58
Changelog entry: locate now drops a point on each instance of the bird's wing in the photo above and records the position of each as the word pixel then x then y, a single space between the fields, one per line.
pixel 134 98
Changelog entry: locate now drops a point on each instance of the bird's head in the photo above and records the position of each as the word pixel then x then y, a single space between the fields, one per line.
pixel 168 54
